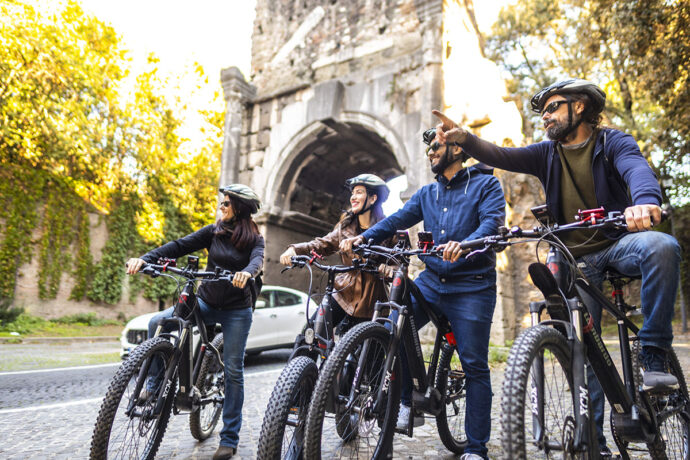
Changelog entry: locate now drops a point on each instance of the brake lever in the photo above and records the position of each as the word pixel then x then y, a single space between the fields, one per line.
pixel 477 251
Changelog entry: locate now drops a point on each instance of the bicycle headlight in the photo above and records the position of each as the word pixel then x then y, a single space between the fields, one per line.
pixel 309 336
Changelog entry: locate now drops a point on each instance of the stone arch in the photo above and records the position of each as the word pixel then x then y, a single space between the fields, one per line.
pixel 362 143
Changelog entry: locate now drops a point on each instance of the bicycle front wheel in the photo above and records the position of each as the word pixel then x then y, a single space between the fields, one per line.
pixel 282 431
pixel 450 381
pixel 358 426
pixel 126 427
pixel 538 414
pixel 211 384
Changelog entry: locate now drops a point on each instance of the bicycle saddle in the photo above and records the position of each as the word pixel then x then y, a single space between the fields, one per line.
pixel 611 274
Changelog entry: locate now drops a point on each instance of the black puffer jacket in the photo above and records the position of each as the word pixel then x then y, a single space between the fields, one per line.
pixel 221 253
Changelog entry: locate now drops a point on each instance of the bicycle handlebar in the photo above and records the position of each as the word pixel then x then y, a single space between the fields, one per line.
pixel 218 275
pixel 367 249
pixel 591 218
pixel 301 261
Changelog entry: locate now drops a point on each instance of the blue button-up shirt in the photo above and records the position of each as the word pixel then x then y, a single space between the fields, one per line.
pixel 470 205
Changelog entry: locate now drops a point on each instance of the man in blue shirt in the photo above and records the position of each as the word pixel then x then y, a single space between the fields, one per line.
pixel 463 204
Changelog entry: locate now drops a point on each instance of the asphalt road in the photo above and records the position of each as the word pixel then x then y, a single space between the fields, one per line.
pixel 50 414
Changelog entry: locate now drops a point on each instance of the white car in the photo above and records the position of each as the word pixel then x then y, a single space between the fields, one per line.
pixel 278 318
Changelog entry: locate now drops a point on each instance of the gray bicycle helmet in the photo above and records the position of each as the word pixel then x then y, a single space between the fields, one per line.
pixel 244 193
pixel 373 183
pixel 570 86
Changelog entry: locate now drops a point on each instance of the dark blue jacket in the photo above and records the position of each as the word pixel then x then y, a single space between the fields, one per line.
pixel 617 165
pixel 471 205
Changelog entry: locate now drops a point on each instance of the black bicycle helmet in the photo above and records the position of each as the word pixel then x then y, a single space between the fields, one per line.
pixel 244 193
pixel 571 86
pixel 373 183
pixel 428 137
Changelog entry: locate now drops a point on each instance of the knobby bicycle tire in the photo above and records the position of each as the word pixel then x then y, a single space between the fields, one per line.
pixel 288 404
pixel 540 349
pixel 371 433
pixel 673 438
pixel 118 396
pixel 211 384
pixel 450 381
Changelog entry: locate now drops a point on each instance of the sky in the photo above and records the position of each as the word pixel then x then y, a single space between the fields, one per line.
pixel 214 33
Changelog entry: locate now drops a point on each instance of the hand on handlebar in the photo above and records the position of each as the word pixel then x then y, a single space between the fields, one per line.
pixel 386 271
pixel 452 251
pixel 346 244
pixel 285 258
pixel 642 217
pixel 134 264
pixel 239 279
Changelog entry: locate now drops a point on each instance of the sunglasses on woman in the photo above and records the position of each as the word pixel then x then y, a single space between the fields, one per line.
pixel 225 204
pixel 551 108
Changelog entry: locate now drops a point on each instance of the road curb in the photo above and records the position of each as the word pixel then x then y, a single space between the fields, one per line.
pixel 57 340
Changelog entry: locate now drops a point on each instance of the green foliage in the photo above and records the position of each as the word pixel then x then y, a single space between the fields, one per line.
pixel 109 271
pixel 73 141
pixel 19 213
pixel 83 263
pixel 8 313
pixel 85 319
pixel 23 323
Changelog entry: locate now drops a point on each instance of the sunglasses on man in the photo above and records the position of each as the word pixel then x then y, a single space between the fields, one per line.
pixel 551 108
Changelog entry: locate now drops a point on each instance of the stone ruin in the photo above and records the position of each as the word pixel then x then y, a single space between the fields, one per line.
pixel 339 88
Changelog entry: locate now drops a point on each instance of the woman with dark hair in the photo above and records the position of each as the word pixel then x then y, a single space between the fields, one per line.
pixel 356 291
pixel 233 243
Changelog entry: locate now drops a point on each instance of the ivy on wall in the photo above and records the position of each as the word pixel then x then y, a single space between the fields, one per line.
pixel 34 199
pixel 19 215
pixel 84 263
pixel 109 272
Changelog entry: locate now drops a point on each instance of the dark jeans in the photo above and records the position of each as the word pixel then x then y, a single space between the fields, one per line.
pixel 235 325
pixel 655 257
pixel 470 317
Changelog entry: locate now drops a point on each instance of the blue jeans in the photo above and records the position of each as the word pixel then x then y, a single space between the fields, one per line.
pixel 470 317
pixel 655 257
pixel 235 325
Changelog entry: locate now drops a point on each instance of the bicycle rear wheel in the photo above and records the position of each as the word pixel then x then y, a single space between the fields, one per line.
pixel 538 414
pixel 673 410
pixel 282 431
pixel 125 428
pixel 357 429
pixel 450 381
pixel 211 384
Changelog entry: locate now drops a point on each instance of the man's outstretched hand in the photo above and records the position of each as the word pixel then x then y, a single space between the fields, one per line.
pixel 448 131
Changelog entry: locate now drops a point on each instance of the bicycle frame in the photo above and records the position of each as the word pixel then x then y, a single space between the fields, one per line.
pixel 186 359
pixel 572 317
pixel 403 330
pixel 321 337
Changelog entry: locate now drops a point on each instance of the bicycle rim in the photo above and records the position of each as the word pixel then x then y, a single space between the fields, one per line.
pixel 137 434
pixel 538 412
pixel 355 430
pixel 450 381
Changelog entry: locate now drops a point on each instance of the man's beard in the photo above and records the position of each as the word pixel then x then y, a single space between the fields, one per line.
pixel 441 165
pixel 558 131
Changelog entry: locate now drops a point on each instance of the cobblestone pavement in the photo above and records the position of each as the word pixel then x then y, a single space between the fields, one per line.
pixel 63 430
